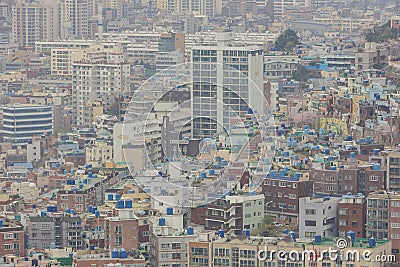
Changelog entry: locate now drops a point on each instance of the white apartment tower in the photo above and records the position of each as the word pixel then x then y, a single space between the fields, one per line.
pixel 226 80
pixel 98 80
pixel 35 21
pixel 282 7
pixel 197 7
pixel 74 15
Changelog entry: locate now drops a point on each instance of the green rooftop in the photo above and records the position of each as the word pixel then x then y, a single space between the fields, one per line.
pixel 360 242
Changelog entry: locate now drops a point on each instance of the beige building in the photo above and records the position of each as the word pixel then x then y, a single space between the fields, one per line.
pixel 98 77
pixel 266 252
pixel 61 61
pixel 198 7
pixel 35 21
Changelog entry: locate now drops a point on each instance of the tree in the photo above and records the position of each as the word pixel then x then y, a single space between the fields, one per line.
pixel 301 74
pixel 287 41
pixel 267 228
pixel 302 118
pixel 381 34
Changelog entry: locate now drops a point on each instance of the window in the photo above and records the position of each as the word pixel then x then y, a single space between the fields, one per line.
pixel 395 204
pixel 395 225
pixel 342 211
pixel 309 234
pixel 8 236
pixel 310 211
pixel 282 184
pixel 176 245
pixel 176 256
pixel 118 240
pixel 199 251
pixel 244 253
pixel 8 247
pixel 330 178
pixel 165 245
pixel 373 178
pixel 164 255
pixel 292 196
pixel 279 194
pixel 310 223
pixel 45 226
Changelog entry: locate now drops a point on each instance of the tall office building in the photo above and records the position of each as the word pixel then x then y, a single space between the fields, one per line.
pixel 98 80
pixel 35 21
pixel 226 80
pixel 74 19
pixel 22 122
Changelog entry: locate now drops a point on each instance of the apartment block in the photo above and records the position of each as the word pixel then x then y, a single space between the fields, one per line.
pixel 282 196
pixel 34 21
pixel 98 79
pixel 235 213
pixel 12 238
pixel 383 217
pixel 318 216
pixel 352 215
pixel 62 231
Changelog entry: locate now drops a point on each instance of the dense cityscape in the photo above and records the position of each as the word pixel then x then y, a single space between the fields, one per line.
pixel 166 133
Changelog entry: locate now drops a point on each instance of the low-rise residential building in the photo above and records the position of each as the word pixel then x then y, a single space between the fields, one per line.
pixel 318 216
pixel 12 238
pixel 352 215
pixel 235 213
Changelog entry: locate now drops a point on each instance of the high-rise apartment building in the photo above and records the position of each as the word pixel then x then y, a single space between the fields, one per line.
pixel 226 80
pixel 35 21
pixel 383 218
pixel 199 7
pixel 282 7
pixel 98 79
pixel 74 19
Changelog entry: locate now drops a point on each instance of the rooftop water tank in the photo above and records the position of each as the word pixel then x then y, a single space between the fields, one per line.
pixel 211 171
pixel 372 242
pixel 161 222
pixel 353 155
pixel 190 230
pixel 170 211
pixel 120 204
pixel 114 254
pixel 376 151
pixel 221 233
pixel 128 203
pixel 117 196
pixel 203 175
pixel 376 167
pixel 110 197
pixel 122 253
